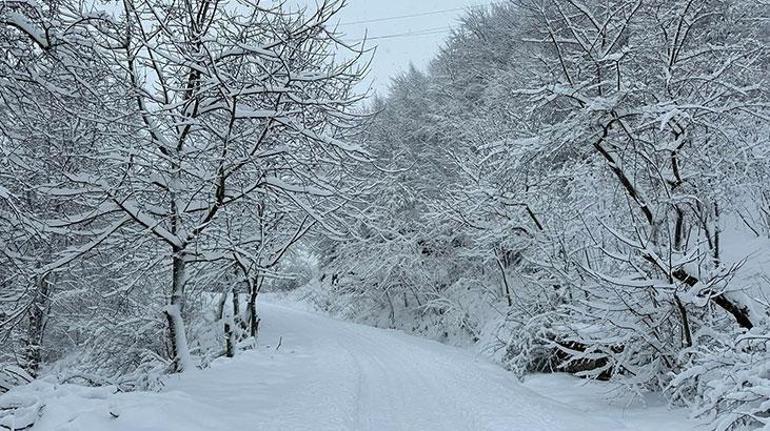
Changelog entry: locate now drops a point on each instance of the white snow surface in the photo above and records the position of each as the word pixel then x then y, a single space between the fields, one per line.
pixel 333 375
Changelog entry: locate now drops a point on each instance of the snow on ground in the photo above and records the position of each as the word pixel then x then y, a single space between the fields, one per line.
pixel 332 375
pixel 636 412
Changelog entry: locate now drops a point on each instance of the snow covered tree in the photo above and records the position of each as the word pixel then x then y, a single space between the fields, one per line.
pixel 179 120
pixel 230 102
pixel 41 134
pixel 589 158
pixel 659 109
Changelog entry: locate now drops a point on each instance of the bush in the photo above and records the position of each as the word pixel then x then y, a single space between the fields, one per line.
pixel 727 380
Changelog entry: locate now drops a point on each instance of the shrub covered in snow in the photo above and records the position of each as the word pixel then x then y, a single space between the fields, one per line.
pixel 12 376
pixel 727 380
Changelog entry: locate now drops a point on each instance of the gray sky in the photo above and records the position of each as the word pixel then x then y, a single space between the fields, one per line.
pixel 404 31
pixel 386 23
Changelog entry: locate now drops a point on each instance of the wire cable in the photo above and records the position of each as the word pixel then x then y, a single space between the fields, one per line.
pixel 417 15
pixel 425 32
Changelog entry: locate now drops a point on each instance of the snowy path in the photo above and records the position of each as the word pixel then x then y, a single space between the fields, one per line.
pixel 331 375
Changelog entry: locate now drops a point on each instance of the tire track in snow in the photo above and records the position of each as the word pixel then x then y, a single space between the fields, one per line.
pixel 407 383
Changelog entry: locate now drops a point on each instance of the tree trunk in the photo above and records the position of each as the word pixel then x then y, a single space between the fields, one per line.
pixel 229 338
pixel 180 351
pixel 221 306
pixel 392 313
pixel 506 286
pixel 251 307
pixel 38 313
pixel 232 325
pixel 236 306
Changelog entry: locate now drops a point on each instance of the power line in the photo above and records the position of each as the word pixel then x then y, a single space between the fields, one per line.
pixel 395 18
pixel 425 32
pixel 417 15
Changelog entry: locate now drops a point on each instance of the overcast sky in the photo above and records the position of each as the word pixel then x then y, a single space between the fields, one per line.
pixel 401 40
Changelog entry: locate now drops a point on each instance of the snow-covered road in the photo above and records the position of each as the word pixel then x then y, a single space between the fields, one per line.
pixel 359 378
pixel 331 375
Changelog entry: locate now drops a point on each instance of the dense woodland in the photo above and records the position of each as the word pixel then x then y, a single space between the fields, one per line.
pixel 569 186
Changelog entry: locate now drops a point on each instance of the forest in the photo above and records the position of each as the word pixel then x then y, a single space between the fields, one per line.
pixel 568 187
